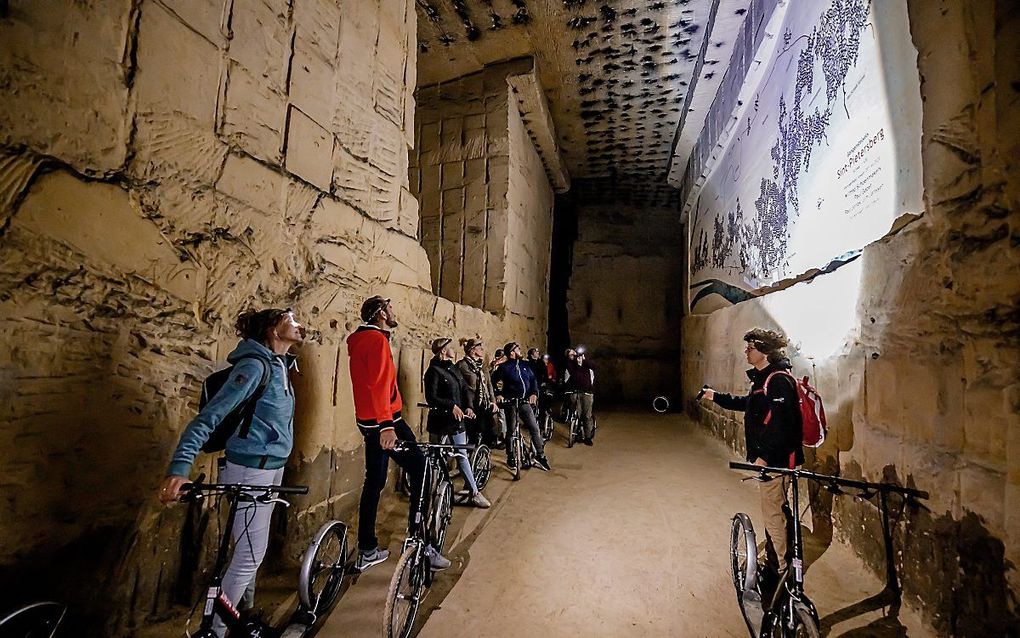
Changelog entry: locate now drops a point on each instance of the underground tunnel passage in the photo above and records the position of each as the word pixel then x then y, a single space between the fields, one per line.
pixel 694 194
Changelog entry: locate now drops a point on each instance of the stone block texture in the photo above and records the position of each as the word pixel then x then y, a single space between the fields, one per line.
pixel 165 164
pixel 915 346
pixel 622 300
pixel 486 200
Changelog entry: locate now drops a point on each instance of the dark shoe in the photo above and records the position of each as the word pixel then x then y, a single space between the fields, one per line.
pixel 589 442
pixel 542 463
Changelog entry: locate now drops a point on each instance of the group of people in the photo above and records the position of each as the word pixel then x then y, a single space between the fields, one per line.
pixel 469 400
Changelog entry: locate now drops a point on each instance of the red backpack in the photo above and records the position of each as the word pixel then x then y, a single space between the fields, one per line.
pixel 812 412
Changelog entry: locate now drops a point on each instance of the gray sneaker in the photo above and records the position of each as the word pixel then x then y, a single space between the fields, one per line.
pixel 437 561
pixel 480 501
pixel 367 558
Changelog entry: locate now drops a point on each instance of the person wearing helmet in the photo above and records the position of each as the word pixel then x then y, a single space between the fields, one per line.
pixel 449 410
pixel 514 379
pixel 377 405
pixel 481 396
pixel 580 380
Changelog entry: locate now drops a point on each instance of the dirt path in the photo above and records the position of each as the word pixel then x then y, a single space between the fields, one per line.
pixel 627 538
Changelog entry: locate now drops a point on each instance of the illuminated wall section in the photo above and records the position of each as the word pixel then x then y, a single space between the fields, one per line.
pixel 820 158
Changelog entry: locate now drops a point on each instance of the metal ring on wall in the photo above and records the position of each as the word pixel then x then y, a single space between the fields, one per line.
pixel 660 404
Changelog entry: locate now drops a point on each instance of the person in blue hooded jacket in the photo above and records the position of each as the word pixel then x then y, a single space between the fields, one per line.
pixel 255 457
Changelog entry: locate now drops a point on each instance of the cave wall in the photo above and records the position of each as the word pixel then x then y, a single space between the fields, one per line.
pixel 460 173
pixel 623 298
pixel 165 164
pixel 914 346
pixel 529 226
pixel 486 197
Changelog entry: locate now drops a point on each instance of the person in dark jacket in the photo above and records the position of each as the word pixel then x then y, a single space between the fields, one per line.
pixel 772 429
pixel 255 457
pixel 513 379
pixel 579 380
pixel 480 395
pixel 446 394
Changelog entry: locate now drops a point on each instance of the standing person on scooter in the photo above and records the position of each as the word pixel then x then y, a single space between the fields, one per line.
pixel 446 394
pixel 514 380
pixel 772 430
pixel 377 406
pixel 258 450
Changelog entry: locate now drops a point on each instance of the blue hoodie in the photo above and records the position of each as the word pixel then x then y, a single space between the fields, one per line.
pixel 271 436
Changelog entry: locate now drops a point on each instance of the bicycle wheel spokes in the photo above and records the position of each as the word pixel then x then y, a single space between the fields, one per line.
pixel 322 569
pixel 743 554
pixel 481 465
pixel 441 514
pixel 804 624
pixel 405 593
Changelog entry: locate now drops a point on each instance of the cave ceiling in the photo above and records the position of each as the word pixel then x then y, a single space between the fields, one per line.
pixel 616 73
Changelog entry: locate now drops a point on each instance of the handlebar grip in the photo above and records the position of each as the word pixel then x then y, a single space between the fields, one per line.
pixel 739 465
pixel 189 487
pixel 291 489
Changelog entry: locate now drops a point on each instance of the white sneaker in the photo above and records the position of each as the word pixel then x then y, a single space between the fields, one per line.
pixel 480 501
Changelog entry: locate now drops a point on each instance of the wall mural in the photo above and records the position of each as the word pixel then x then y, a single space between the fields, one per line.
pixel 826 154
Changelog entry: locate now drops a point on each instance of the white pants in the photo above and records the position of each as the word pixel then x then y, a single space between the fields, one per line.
pixel 250 534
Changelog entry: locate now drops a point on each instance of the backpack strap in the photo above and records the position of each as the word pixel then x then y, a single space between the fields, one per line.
pixel 765 386
pixel 248 413
pixel 765 390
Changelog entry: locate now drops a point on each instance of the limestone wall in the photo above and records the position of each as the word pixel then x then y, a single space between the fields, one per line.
pixel 459 171
pixel 623 298
pixel 529 226
pixel 486 198
pixel 915 346
pixel 163 165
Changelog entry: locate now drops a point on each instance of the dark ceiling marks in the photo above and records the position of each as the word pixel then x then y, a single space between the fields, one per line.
pixel 616 72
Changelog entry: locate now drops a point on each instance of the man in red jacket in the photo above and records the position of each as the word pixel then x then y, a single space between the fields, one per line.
pixel 377 406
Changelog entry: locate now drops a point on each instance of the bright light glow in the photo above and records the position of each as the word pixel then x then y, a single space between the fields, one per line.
pixel 819 316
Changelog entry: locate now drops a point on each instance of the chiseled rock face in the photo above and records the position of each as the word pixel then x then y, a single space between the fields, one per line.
pixel 915 346
pixel 164 165
pixel 622 300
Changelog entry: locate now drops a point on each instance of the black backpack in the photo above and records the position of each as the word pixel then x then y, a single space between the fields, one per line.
pixel 238 418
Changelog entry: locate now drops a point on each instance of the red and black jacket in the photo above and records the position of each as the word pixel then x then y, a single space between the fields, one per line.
pixel 772 421
pixel 377 399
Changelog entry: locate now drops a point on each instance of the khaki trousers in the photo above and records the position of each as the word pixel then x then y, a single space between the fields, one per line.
pixel 773 510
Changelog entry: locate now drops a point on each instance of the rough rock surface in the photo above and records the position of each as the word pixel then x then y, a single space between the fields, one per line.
pixel 163 165
pixel 485 191
pixel 915 346
pixel 622 298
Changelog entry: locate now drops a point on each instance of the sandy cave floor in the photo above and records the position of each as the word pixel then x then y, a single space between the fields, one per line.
pixel 627 538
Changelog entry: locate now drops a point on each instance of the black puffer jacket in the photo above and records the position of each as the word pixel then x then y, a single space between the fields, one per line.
pixel 444 388
pixel 772 422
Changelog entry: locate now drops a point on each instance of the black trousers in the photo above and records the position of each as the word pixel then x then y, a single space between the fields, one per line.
pixel 482 428
pixel 376 466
